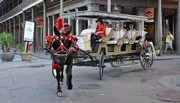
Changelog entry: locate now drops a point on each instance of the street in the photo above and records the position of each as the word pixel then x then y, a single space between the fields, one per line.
pixel 127 84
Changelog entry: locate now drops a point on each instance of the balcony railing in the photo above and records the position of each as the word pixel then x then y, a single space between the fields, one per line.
pixel 18 9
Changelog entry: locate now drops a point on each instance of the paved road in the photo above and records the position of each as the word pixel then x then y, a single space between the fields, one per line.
pixel 128 84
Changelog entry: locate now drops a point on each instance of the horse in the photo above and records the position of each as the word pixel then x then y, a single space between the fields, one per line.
pixel 61 44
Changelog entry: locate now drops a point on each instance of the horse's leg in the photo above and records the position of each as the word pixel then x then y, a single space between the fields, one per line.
pixel 61 74
pixel 69 72
pixel 59 92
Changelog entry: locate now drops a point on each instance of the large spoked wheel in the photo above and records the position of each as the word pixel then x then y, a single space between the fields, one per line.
pixel 117 63
pixel 101 65
pixel 146 55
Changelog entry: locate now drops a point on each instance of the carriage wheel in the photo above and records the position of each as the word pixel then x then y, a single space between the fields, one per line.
pixel 146 56
pixel 101 65
pixel 117 63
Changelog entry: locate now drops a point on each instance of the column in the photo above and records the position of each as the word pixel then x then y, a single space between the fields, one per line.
pixel 92 7
pixel 108 5
pixel 19 33
pixel 48 25
pixel 69 20
pixel 140 24
pixel 10 27
pixel 158 36
pixel 24 19
pixel 32 14
pixel 44 25
pixel 34 37
pixel 61 7
pixel 14 28
pixel 6 26
pixel 178 29
pixel 53 22
pixel 77 24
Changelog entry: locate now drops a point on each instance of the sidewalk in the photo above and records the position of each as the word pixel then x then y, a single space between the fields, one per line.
pixel 40 59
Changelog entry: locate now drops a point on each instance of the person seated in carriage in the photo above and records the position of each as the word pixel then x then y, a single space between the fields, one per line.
pixel 99 33
pixel 131 32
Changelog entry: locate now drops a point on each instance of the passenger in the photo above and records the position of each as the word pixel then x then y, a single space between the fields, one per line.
pixel 108 25
pixel 99 33
pixel 123 31
pixel 131 32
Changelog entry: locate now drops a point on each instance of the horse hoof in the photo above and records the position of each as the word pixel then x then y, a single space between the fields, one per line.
pixel 70 86
pixel 59 94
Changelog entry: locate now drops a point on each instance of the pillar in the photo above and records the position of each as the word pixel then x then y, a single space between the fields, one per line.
pixel 108 5
pixel 77 24
pixel 19 33
pixel 61 7
pixel 92 7
pixel 69 20
pixel 140 24
pixel 6 26
pixel 48 18
pixel 14 28
pixel 53 23
pixel 158 36
pixel 178 29
pixel 44 25
pixel 10 27
pixel 24 19
pixel 32 14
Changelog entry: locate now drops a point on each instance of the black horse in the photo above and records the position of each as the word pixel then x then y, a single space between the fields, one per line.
pixel 62 54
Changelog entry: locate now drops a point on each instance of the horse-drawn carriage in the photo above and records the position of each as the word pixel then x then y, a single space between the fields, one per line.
pixel 114 51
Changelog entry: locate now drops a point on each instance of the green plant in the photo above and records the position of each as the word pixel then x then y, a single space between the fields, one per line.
pixel 156 48
pixel 20 47
pixel 7 41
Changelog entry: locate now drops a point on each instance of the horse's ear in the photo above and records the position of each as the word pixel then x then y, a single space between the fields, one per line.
pixel 68 31
pixel 56 32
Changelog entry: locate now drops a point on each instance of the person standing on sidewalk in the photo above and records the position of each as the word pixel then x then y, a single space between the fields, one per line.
pixel 169 42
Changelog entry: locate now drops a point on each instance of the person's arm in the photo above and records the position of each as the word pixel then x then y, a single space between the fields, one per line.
pixel 172 37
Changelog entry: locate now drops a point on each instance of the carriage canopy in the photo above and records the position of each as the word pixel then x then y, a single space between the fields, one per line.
pixel 103 15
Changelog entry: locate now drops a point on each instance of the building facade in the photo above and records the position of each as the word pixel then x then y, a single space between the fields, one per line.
pixel 164 15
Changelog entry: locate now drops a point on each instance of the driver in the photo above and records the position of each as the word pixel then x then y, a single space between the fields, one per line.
pixel 99 33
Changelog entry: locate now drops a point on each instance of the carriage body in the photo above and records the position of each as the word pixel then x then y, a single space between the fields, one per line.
pixel 114 51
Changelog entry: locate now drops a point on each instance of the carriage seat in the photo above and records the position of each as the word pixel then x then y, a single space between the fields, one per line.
pixel 117 34
pixel 108 36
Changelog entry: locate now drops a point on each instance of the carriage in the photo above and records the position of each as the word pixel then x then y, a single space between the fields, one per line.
pixel 113 48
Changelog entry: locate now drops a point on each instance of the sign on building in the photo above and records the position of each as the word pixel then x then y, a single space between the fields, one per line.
pixel 149 12
pixel 29 31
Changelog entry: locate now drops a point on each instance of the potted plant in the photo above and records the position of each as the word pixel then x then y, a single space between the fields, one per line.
pixel 7 42
pixel 25 56
pixel 157 50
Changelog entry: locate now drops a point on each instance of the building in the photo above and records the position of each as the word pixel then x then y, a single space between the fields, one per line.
pixel 163 15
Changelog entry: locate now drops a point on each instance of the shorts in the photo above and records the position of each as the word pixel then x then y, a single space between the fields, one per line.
pixel 169 46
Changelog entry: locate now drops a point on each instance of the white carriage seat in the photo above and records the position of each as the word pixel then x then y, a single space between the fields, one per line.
pixel 117 35
pixel 131 33
pixel 108 30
